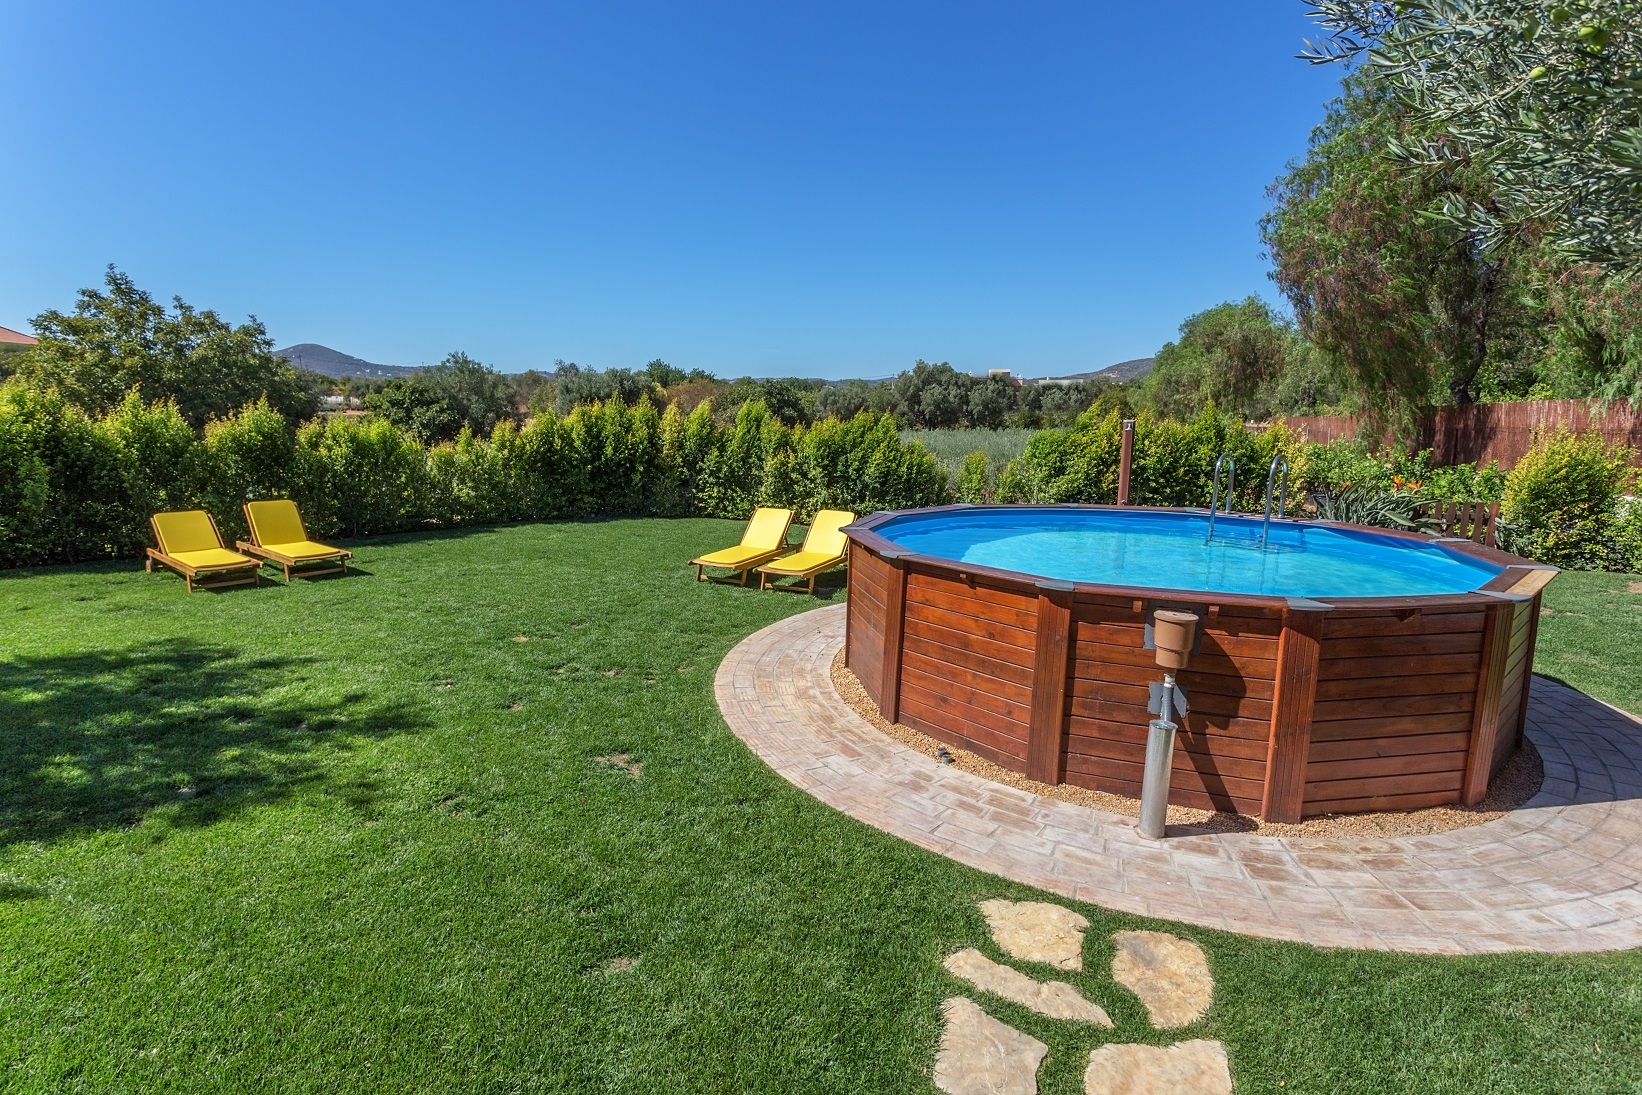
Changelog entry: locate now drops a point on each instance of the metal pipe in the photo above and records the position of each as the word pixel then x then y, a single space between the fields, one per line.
pixel 1214 491
pixel 1271 476
pixel 1154 787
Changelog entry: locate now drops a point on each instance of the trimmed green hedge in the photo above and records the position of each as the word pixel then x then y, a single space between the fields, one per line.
pixel 80 488
pixel 73 487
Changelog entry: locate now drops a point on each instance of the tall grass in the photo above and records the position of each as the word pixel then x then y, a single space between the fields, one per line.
pixel 949 447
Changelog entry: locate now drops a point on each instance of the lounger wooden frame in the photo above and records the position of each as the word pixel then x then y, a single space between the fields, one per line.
pixel 193 575
pixel 740 571
pixel 291 563
pixel 765 573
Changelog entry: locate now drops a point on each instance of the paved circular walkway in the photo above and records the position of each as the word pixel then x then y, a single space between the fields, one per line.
pixel 1564 873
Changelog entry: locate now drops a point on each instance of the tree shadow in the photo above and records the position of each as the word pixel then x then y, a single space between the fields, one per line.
pixel 100 740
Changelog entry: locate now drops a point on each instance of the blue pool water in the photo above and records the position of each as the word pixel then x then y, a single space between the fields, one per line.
pixel 1167 551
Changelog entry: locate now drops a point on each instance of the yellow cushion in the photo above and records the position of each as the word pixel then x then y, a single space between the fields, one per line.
pixel 824 536
pixel 275 522
pixel 803 562
pixel 768 529
pixel 210 557
pixel 735 558
pixel 186 530
pixel 304 549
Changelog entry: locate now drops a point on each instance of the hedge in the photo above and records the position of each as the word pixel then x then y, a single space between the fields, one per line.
pixel 74 487
pixel 82 488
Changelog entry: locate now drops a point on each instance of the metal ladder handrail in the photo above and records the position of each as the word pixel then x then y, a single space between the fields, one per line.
pixel 1214 493
pixel 1283 503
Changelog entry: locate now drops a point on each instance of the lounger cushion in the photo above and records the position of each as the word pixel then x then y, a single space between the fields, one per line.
pixel 767 530
pixel 276 521
pixel 186 531
pixel 211 558
pixel 304 549
pixel 734 558
pixel 802 562
pixel 824 535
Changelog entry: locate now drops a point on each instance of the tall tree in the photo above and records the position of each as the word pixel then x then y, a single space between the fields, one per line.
pixel 1416 310
pixel 1227 357
pixel 123 340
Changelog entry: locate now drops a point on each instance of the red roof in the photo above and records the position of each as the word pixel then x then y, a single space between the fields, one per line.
pixel 18 337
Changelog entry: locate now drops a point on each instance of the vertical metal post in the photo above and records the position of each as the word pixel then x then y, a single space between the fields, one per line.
pixel 1154 787
pixel 1126 461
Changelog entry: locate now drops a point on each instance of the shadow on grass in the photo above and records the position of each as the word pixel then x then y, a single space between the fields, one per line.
pixel 98 740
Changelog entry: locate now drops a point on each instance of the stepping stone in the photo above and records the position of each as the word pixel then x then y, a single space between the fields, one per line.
pixel 1186 1068
pixel 1037 931
pixel 1169 974
pixel 1055 999
pixel 981 1056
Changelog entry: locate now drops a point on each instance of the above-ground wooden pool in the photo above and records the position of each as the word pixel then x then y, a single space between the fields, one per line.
pixel 1300 702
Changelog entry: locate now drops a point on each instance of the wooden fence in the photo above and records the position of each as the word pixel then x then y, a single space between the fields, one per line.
pixel 1485 432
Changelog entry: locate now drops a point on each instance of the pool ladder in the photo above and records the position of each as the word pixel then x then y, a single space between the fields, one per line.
pixel 1273 486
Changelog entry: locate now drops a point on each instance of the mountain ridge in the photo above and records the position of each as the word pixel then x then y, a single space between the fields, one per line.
pixel 336 364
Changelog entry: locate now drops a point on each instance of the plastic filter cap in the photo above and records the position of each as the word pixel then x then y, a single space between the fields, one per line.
pixel 1173 634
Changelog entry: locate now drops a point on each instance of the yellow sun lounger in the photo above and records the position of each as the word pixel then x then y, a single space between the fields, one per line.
pixel 824 548
pixel 277 535
pixel 765 538
pixel 190 544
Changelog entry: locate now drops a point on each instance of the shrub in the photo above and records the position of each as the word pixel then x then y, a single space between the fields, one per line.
pixel 361 477
pixel 162 460
pixel 248 455
pixel 973 478
pixel 66 502
pixel 1562 502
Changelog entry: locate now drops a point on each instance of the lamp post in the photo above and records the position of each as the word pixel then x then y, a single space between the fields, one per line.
pixel 1172 635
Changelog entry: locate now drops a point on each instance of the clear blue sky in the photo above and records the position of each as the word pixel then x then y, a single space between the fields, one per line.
pixel 754 188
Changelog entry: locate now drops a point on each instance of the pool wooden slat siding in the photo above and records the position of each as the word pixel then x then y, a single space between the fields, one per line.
pixel 864 626
pixel 1296 708
pixel 974 644
pixel 1220 755
pixel 1397 696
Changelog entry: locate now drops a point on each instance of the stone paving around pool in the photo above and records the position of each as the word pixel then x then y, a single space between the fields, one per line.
pixel 1562 874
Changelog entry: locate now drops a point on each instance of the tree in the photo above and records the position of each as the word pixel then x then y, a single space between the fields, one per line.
pixel 932 397
pixel 478 394
pixel 1227 357
pixel 846 400
pixel 1542 95
pixel 578 386
pixel 122 340
pixel 1414 310
pixel 435 404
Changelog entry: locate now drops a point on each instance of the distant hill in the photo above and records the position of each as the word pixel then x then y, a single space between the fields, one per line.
pixel 329 362
pixel 1128 370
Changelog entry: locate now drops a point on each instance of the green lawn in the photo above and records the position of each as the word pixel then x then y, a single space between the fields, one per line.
pixel 351 836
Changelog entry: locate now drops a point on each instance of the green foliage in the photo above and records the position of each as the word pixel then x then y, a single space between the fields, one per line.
pixel 361 477
pixel 1235 356
pixel 249 455
pixel 1173 462
pixel 973 479
pixel 1340 464
pixel 83 487
pixel 1409 309
pixel 1364 503
pixel 1562 503
pixel 1543 96
pixel 123 341
pixel 436 404
pixel 577 387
